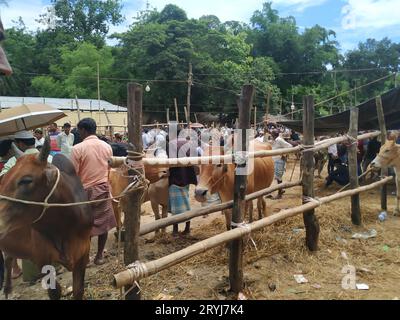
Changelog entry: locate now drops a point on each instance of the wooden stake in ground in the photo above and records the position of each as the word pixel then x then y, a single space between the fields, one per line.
pixel 239 202
pixel 134 199
pixel 167 115
pixel 382 127
pixel 176 110
pixel 353 168
pixel 77 108
pixel 189 92
pixel 310 220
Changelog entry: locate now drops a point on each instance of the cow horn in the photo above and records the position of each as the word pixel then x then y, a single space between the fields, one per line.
pixel 17 153
pixel 45 151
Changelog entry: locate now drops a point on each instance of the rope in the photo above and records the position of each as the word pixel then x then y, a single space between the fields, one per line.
pixel 307 199
pixel 240 158
pixel 137 270
pixel 49 196
pixel 247 227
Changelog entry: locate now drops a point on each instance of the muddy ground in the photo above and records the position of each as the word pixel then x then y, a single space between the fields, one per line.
pixel 279 253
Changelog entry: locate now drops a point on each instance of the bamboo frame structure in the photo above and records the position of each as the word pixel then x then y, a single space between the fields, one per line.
pixel 142 270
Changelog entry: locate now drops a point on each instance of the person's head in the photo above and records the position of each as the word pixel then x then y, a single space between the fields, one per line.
pixel 86 127
pixel 38 134
pixel 275 134
pixel 53 127
pixel 118 137
pixel 67 128
pixel 24 140
pixel 5 68
pixel 5 148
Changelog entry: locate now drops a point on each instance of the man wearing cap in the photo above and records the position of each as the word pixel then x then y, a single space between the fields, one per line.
pixel 25 141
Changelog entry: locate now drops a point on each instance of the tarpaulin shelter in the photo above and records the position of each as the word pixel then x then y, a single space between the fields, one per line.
pixel 368 117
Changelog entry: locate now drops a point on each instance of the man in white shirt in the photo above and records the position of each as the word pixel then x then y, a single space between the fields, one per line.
pixel 279 161
pixel 333 155
pixel 65 140
pixel 39 139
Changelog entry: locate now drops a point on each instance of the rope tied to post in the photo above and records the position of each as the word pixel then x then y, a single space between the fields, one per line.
pixel 306 148
pixel 247 228
pixel 137 270
pixel 240 158
pixel 316 200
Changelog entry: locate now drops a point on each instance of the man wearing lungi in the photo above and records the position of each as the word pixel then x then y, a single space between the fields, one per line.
pixel 90 160
pixel 279 161
pixel 179 181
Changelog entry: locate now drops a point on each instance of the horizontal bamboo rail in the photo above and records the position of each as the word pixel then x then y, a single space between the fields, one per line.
pixel 142 270
pixel 190 161
pixel 165 222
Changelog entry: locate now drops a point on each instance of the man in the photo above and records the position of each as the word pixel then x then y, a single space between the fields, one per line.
pixel 279 161
pixel 77 138
pixel 339 175
pixel 25 141
pixel 39 139
pixel 65 140
pixel 373 148
pixel 332 156
pixel 53 133
pixel 90 160
pixel 179 181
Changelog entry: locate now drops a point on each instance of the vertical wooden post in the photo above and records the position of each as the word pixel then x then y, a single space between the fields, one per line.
pixel 310 220
pixel 267 101
pixel 77 108
pixel 353 167
pixel 239 205
pixel 195 118
pixel 382 128
pixel 176 110
pixel 255 118
pixel 167 115
pixel 187 115
pixel 134 199
pixel 190 82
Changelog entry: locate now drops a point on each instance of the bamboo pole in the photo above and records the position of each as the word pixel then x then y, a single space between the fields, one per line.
pixel 167 116
pixel 134 199
pixel 77 108
pixel 310 220
pixel 165 222
pixel 189 92
pixel 382 127
pixel 353 168
pixel 190 161
pixel 245 102
pixel 129 276
pixel 176 110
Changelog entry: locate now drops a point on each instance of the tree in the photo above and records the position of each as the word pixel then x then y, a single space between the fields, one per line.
pixel 86 20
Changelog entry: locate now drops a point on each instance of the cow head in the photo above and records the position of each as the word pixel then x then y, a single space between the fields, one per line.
pixel 211 176
pixel 30 179
pixel 388 154
pixel 5 67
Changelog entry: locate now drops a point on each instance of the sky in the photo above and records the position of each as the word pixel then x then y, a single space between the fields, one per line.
pixel 352 20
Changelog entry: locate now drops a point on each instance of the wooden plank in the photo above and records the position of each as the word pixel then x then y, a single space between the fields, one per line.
pixel 353 168
pixel 310 220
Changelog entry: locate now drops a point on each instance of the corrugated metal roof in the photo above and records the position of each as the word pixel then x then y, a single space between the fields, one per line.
pixel 59 103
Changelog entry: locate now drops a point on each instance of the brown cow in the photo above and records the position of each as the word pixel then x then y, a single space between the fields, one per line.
pixel 59 235
pixel 220 178
pixel 157 192
pixel 389 156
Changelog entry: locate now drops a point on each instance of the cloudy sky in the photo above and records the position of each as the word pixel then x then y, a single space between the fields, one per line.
pixel 352 20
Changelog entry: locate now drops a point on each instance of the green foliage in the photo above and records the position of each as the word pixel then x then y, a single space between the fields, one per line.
pixel 270 52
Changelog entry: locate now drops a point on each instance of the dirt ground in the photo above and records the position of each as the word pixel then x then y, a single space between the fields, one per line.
pixel 279 253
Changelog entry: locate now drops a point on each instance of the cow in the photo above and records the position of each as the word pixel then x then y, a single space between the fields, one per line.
pixel 220 178
pixel 389 156
pixel 157 192
pixel 54 235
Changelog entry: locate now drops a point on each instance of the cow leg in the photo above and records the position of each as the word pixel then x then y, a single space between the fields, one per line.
pixel 249 209
pixel 7 268
pixel 156 210
pixel 228 218
pixel 55 294
pixel 164 214
pixel 261 207
pixel 78 276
